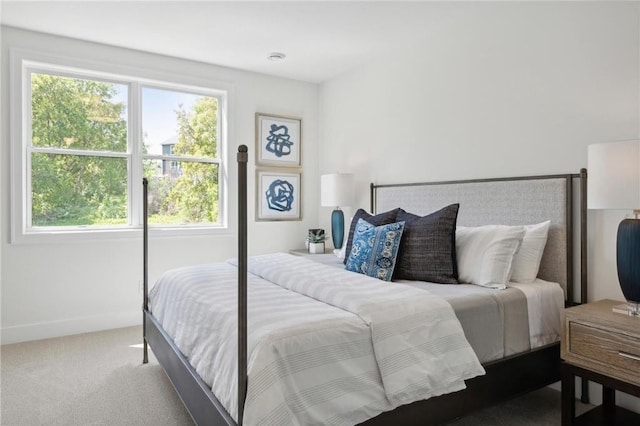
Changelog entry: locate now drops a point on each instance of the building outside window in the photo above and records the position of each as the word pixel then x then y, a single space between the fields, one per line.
pixel 170 167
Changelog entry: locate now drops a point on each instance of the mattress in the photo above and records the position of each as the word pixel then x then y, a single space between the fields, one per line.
pixel 497 323
pixel 500 323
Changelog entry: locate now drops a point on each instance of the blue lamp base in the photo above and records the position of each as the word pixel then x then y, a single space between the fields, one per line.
pixel 337 228
pixel 627 255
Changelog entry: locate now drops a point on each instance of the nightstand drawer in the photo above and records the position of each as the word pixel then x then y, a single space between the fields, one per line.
pixel 607 349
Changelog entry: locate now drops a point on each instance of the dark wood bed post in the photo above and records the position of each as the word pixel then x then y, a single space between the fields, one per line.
pixel 243 158
pixel 583 236
pixel 584 395
pixel 145 270
pixel 569 235
pixel 372 195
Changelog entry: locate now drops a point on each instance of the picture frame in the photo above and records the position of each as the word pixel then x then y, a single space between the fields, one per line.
pixel 278 140
pixel 278 195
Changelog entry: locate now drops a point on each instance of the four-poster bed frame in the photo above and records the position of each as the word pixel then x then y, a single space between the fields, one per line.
pixel 505 378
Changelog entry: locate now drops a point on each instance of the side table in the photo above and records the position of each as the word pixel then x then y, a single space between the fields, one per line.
pixel 305 252
pixel 602 346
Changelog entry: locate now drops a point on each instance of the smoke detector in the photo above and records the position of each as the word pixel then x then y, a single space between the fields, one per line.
pixel 276 56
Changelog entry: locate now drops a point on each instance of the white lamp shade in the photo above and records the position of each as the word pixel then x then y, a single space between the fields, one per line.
pixel 336 190
pixel 614 175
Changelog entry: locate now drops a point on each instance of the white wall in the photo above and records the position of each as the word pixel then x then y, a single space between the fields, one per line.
pixel 497 89
pixel 64 288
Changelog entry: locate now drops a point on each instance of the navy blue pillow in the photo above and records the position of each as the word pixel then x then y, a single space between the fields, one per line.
pixel 374 249
pixel 428 247
pixel 377 220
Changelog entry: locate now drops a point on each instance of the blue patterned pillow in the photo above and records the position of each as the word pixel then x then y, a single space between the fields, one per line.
pixel 374 249
pixel 383 218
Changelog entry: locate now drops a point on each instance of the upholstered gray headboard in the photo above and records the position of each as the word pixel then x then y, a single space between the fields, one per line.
pixel 505 201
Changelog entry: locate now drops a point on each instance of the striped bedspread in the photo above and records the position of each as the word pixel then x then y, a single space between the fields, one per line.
pixel 325 346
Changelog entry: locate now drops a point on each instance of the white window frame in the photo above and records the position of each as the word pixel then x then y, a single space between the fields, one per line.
pixel 23 63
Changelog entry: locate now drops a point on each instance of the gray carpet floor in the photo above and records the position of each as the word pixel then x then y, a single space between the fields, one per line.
pixel 98 379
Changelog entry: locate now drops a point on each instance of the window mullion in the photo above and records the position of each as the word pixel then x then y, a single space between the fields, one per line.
pixel 136 142
pixel 78 152
pixel 181 158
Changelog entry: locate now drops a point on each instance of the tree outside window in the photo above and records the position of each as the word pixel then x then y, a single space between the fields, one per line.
pixel 83 154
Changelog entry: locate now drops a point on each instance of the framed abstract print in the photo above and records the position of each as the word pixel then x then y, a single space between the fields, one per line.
pixel 278 195
pixel 278 140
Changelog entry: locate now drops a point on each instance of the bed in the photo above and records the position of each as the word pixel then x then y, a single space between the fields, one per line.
pixel 513 364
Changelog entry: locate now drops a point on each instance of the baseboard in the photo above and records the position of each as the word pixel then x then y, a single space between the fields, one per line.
pixel 47 330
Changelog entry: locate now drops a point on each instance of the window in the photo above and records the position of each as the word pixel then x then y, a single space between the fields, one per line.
pixel 180 134
pixel 77 153
pixel 88 137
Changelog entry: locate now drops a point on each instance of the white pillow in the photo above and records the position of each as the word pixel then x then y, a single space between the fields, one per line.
pixel 343 251
pixel 526 262
pixel 485 254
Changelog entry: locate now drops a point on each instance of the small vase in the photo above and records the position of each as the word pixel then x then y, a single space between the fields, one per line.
pixel 316 248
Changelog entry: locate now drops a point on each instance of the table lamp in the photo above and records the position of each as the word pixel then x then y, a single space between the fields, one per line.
pixel 336 190
pixel 614 183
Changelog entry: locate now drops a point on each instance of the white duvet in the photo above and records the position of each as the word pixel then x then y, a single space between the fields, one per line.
pixel 326 346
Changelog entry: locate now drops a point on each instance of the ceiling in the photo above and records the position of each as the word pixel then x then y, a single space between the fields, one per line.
pixel 321 39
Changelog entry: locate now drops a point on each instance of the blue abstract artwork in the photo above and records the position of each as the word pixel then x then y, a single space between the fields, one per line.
pixel 280 195
pixel 279 141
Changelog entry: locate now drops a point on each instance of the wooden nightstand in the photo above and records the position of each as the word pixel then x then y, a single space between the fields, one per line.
pixel 305 252
pixel 604 347
pixel 328 258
